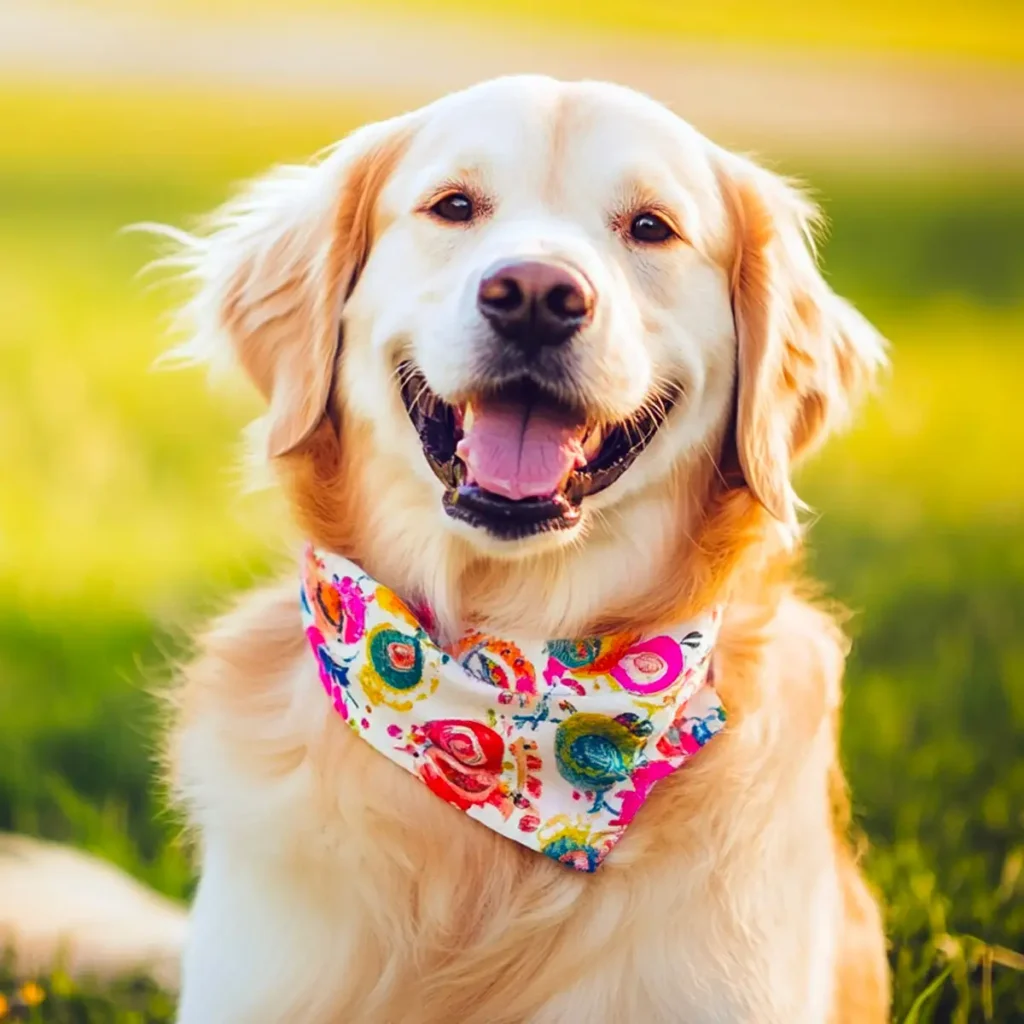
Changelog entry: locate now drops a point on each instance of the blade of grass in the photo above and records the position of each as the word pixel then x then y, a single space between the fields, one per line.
pixel 914 1013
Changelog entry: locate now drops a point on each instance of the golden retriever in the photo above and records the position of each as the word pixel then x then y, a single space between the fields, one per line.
pixel 673 312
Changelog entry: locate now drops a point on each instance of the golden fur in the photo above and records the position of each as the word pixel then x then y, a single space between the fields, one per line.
pixel 358 895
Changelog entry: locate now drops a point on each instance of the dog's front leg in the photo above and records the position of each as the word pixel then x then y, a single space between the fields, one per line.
pixel 257 953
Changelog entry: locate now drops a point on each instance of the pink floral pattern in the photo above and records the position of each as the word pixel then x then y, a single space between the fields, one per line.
pixel 650 666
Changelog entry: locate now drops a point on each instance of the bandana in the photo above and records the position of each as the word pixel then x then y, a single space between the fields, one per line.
pixel 555 744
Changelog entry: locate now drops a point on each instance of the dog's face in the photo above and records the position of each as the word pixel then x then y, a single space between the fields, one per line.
pixel 544 293
pixel 546 306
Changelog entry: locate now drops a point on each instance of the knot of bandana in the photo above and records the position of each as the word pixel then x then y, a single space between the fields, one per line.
pixel 554 744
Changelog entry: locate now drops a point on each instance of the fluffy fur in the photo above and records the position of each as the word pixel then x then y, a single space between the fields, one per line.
pixel 335 888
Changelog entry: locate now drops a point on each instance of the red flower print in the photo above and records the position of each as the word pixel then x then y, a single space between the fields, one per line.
pixel 462 763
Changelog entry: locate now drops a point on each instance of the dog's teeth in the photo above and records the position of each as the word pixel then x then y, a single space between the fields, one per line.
pixel 592 444
pixel 467 417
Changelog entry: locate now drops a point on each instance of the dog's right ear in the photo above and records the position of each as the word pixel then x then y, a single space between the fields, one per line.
pixel 272 270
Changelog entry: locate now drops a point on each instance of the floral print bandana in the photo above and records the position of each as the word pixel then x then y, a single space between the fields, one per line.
pixel 555 744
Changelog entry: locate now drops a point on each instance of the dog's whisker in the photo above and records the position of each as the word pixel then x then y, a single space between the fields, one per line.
pixel 714 463
pixel 418 400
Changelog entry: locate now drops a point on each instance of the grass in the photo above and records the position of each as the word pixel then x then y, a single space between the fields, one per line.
pixel 63 1001
pixel 121 523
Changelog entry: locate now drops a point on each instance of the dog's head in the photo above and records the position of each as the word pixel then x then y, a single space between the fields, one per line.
pixel 532 324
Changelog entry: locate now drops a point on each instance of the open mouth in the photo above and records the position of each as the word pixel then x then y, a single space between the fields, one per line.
pixel 515 460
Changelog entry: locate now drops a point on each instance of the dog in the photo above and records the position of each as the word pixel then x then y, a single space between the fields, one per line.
pixel 540 358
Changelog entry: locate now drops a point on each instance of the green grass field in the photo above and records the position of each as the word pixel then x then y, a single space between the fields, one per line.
pixel 122 522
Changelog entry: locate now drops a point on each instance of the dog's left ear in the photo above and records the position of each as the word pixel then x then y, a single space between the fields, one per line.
pixel 804 354
pixel 273 269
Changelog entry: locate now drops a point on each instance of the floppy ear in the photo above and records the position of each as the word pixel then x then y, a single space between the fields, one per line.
pixel 804 354
pixel 273 268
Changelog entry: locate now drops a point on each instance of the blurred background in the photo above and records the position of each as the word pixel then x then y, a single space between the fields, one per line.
pixel 122 518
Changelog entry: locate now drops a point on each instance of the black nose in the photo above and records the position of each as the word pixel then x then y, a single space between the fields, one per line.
pixel 534 303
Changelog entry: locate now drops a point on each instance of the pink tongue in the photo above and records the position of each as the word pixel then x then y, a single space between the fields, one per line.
pixel 518 452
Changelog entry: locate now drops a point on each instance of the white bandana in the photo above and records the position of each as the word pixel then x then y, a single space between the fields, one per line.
pixel 555 744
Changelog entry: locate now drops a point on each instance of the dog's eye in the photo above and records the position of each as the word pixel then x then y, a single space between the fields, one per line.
pixel 650 229
pixel 456 207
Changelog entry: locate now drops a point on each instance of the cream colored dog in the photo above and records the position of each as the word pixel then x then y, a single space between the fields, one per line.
pixel 574 259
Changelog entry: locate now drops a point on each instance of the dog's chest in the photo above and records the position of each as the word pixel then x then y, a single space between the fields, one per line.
pixel 366 898
pixel 690 919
